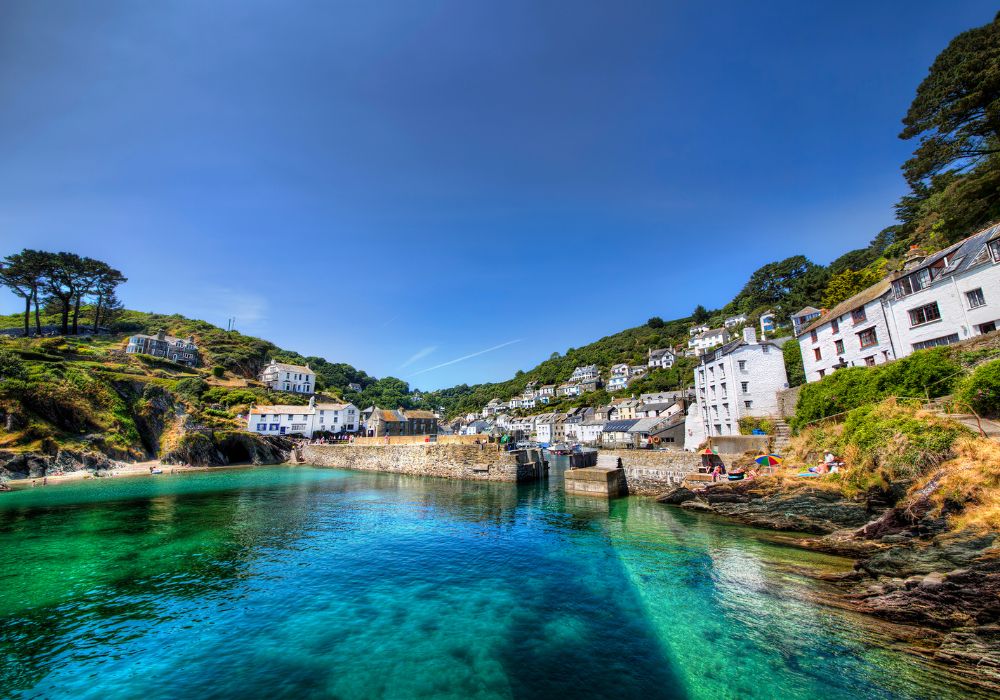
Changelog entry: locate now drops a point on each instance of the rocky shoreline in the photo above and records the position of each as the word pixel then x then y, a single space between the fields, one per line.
pixel 195 449
pixel 940 588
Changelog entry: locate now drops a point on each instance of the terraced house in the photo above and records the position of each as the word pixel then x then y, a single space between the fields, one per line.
pixel 304 421
pixel 934 300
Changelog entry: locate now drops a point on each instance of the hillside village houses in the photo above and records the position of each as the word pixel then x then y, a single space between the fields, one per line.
pixel 934 300
pixel 768 323
pixel 662 358
pixel 298 379
pixel 386 423
pixel 735 321
pixel 304 421
pixel 742 378
pixel 180 350
pixel 802 318
pixel 708 339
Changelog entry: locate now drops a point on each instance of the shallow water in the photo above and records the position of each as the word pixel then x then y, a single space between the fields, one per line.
pixel 300 582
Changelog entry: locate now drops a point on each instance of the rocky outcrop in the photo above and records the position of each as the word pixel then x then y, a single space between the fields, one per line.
pixel 208 448
pixel 33 465
pixel 768 503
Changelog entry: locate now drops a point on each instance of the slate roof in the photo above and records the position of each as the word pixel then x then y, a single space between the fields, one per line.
pixel 289 368
pixel 860 299
pixel 964 252
pixel 619 426
pixel 661 406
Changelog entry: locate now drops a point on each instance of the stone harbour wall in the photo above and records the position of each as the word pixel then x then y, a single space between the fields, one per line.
pixel 651 472
pixel 471 462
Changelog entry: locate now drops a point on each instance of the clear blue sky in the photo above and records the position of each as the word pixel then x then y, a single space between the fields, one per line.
pixel 401 184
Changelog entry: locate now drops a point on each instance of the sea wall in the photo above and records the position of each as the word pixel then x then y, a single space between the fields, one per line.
pixel 471 462
pixel 651 472
pixel 422 440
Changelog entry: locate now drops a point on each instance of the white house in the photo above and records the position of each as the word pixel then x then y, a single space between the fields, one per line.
pixel 294 378
pixel 734 321
pixel 619 377
pixel 697 330
pixel 739 379
pixel 546 393
pixel 768 322
pixel 949 296
pixel 304 420
pixel 569 389
pixel 662 358
pixel 584 373
pixel 706 340
pixel 853 333
pixel 181 350
pixel 694 428
pixel 802 318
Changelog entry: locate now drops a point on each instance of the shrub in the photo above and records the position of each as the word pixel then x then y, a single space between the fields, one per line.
pixel 11 366
pixel 191 387
pixel 218 371
pixel 890 442
pixel 750 423
pixel 981 390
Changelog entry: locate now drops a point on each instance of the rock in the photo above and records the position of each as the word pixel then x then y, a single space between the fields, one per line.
pixel 677 496
pixel 933 580
pixel 697 504
pixel 32 465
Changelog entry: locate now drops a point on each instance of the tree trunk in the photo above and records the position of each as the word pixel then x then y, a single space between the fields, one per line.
pixel 76 314
pixel 38 322
pixel 65 315
pixel 27 315
pixel 97 312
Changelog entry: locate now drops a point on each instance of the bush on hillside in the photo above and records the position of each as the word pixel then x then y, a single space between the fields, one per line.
pixel 926 373
pixel 750 423
pixel 11 366
pixel 981 390
pixel 218 371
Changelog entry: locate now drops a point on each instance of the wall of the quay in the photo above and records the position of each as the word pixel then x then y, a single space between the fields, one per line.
pixel 651 472
pixel 471 462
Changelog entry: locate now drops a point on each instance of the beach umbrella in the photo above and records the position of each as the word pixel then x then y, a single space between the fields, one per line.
pixel 769 460
pixel 709 451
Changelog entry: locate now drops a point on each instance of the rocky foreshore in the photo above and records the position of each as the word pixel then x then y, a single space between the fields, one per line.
pixel 940 587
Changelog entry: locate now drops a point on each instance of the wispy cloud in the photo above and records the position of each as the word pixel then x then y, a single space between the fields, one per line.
pixel 467 357
pixel 418 355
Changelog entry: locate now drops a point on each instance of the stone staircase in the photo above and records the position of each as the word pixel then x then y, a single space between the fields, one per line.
pixel 782 437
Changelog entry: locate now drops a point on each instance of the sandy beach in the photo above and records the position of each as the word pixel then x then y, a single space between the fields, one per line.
pixel 125 470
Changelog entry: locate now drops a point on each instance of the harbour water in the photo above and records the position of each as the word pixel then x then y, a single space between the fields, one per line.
pixel 300 582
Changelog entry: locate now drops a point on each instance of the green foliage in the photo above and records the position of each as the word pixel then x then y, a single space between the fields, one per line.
pixel 700 314
pixel 750 423
pixel 655 322
pixel 218 371
pixel 11 366
pixel 792 353
pixel 846 284
pixel 926 373
pixel 785 286
pixel 191 387
pixel 888 442
pixel 981 390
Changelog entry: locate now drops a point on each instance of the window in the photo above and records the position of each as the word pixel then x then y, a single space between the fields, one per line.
pixel 924 314
pixel 813 335
pixel 839 345
pixel 987 327
pixel 745 386
pixel 868 338
pixel 912 283
pixel 859 315
pixel 835 326
pixel 976 298
pixel 943 340
pixel 261 426
pixel 818 353
pixel 748 404
pixel 995 250
pixel 870 361
pixel 743 364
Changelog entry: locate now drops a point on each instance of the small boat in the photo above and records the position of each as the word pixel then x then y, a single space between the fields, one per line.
pixel 155 471
pixel 560 448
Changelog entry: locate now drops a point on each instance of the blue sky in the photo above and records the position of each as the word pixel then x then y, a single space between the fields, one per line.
pixel 450 191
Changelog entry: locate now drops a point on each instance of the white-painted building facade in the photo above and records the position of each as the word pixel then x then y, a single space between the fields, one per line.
pixel 298 379
pixel 661 358
pixel 709 339
pixel 304 420
pixel 739 379
pixel 855 333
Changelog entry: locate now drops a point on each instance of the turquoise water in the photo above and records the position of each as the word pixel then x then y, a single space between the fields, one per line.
pixel 296 582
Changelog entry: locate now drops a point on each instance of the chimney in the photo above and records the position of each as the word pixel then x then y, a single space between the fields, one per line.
pixel 312 402
pixel 914 257
pixel 750 335
pixel 161 334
